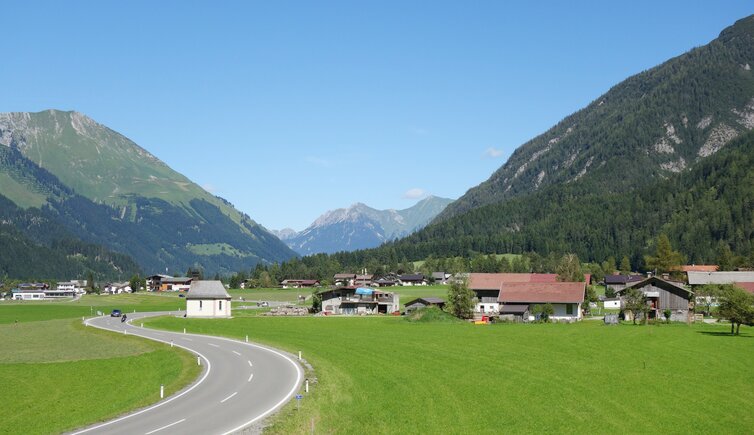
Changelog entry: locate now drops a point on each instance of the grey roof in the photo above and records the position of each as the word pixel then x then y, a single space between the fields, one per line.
pixel 428 300
pixel 623 279
pixel 438 275
pixel 207 290
pixel 514 308
pixel 700 278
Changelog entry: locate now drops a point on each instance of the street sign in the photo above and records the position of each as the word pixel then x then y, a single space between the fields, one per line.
pixel 299 397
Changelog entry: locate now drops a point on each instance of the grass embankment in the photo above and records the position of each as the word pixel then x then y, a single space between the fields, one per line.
pixel 387 375
pixel 57 375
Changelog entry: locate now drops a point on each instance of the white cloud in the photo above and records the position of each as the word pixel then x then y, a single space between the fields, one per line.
pixel 318 161
pixel 493 153
pixel 419 131
pixel 415 193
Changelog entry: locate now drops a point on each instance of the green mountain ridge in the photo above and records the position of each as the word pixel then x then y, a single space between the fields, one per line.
pixel 106 190
pixel 651 125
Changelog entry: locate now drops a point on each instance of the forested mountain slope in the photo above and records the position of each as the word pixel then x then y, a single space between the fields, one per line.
pixel 712 201
pixel 648 127
pixel 105 189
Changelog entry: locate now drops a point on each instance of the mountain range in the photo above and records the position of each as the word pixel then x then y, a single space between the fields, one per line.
pixel 646 157
pixel 360 226
pixel 72 178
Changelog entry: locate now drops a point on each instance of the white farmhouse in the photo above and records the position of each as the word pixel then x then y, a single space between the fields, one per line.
pixel 207 299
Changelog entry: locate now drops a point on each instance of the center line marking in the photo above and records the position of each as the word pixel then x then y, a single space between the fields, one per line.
pixel 250 365
pixel 165 427
pixel 223 401
pixel 236 353
pixel 250 376
pixel 212 344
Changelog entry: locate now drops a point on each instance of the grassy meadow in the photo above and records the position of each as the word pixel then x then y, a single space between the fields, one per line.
pixel 388 375
pixel 57 375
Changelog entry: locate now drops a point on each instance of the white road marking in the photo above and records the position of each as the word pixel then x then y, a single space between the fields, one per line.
pixel 236 353
pixel 212 344
pixel 223 401
pixel 250 376
pixel 250 364
pixel 165 427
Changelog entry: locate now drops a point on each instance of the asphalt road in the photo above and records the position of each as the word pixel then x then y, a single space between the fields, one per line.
pixel 241 384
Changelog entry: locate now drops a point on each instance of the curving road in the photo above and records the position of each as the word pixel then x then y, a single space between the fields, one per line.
pixel 241 383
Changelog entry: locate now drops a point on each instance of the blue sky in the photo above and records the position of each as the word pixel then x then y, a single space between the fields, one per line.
pixel 288 109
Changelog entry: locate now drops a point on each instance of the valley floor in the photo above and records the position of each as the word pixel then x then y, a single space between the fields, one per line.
pixel 388 375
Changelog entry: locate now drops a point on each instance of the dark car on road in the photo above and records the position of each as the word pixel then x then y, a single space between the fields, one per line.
pixel 116 313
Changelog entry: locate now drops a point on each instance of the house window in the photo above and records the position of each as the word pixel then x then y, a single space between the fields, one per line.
pixel 220 304
pixel 569 309
pixel 200 305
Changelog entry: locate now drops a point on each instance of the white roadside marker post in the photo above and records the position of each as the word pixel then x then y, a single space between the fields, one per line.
pixel 299 355
pixel 184 330
pixel 306 386
pixel 198 361
pixel 171 343
pixel 162 391
pixel 247 338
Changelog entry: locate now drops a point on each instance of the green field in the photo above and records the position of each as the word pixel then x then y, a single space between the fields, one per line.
pixel 57 375
pixel 387 375
pixel 88 305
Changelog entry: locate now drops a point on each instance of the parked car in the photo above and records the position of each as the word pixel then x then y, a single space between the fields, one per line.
pixel 116 313
pixel 263 304
pixel 181 295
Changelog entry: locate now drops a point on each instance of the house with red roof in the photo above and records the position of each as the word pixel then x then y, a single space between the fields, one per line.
pixel 517 293
pixel 566 298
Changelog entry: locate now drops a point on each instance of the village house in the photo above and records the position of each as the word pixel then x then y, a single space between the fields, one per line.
pixel 207 299
pixel 619 282
pixel 363 280
pixel 116 288
pixel 663 295
pixel 361 300
pixel 520 298
pixel 299 283
pixel 412 279
pixel 344 279
pixel 385 282
pixel 441 277
pixel 486 287
pixel 176 284
pixel 419 303
pixel 703 278
pixel 154 282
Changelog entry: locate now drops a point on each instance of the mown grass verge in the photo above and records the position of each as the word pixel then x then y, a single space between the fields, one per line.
pixel 57 375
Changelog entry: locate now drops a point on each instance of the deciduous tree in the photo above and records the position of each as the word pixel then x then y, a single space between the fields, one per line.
pixel 737 306
pixel 460 300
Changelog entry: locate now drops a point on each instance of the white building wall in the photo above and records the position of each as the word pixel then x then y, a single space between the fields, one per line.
pixel 561 312
pixel 487 307
pixel 208 308
pixel 612 304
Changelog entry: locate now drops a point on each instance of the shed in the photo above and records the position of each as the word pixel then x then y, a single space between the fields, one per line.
pixel 423 303
pixel 207 299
